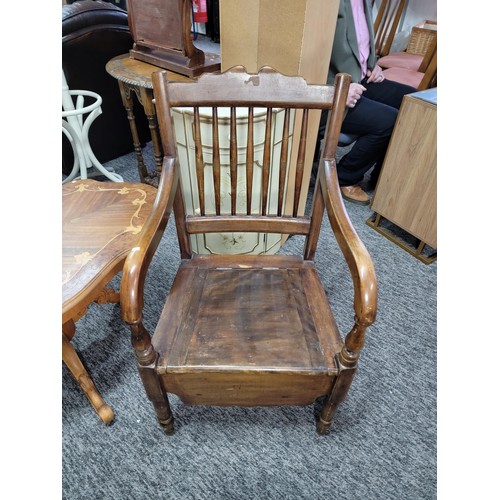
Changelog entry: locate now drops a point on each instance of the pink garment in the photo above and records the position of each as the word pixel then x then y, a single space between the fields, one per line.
pixel 362 34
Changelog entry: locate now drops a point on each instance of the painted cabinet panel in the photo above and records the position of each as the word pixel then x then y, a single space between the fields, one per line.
pixel 229 243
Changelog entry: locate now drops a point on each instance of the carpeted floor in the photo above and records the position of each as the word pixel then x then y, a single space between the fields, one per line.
pixel 383 441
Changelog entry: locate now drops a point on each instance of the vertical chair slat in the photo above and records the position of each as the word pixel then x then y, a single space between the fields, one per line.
pixel 199 160
pixel 250 160
pixel 299 173
pixel 216 158
pixel 387 21
pixel 233 159
pixel 283 160
pixel 380 22
pixel 267 160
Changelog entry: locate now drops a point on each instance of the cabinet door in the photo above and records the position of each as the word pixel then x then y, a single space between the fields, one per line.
pixel 407 189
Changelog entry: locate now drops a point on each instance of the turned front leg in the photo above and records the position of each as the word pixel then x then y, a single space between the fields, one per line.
pixel 146 358
pixel 337 394
pixel 347 361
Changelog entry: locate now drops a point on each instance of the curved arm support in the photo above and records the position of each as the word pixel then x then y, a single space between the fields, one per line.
pixel 358 259
pixel 139 258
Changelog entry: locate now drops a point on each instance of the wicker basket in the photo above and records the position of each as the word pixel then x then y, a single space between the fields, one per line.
pixel 421 37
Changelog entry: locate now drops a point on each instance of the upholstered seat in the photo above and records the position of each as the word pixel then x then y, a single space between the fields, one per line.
pixel 401 60
pixel 418 79
pixel 346 139
pixel 403 75
pixel 418 54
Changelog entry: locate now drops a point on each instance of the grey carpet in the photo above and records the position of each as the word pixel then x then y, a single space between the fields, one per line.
pixel 383 441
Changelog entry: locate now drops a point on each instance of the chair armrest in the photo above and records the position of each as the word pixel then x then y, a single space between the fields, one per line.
pixel 139 258
pixel 357 257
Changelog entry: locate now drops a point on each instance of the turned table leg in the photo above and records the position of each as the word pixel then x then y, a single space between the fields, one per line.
pixel 128 103
pixel 146 98
pixel 73 362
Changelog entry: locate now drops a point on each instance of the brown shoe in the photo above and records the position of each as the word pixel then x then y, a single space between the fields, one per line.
pixel 355 194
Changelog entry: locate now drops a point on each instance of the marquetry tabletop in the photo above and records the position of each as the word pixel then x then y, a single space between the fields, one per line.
pixel 101 222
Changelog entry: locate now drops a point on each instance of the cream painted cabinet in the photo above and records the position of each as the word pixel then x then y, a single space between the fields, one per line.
pixel 229 243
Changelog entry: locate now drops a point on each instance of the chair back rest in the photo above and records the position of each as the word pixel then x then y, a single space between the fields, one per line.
pixel 429 55
pixel 386 23
pixel 430 75
pixel 422 37
pixel 235 97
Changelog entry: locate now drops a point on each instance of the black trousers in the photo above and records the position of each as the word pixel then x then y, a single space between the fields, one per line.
pixel 372 119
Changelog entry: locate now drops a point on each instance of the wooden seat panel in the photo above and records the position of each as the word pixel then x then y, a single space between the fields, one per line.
pixel 208 325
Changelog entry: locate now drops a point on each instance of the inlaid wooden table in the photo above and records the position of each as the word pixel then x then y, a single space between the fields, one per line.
pixel 101 222
pixel 135 76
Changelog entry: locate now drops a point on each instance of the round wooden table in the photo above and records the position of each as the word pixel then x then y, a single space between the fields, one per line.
pixel 135 76
pixel 101 223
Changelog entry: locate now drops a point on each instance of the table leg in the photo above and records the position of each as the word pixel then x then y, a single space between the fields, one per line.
pixel 72 361
pixel 146 98
pixel 128 103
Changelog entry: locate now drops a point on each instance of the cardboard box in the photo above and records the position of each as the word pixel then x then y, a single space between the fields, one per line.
pixel 293 36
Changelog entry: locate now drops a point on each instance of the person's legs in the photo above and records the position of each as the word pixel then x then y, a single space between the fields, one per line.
pixel 387 92
pixel 372 119
pixel 390 93
pixel 373 122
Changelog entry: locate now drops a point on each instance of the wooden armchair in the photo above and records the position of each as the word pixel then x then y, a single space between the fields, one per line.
pixel 248 330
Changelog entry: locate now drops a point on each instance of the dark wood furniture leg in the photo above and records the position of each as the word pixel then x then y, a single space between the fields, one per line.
pixel 128 103
pixel 146 99
pixel 147 358
pixel 347 363
pixel 337 394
